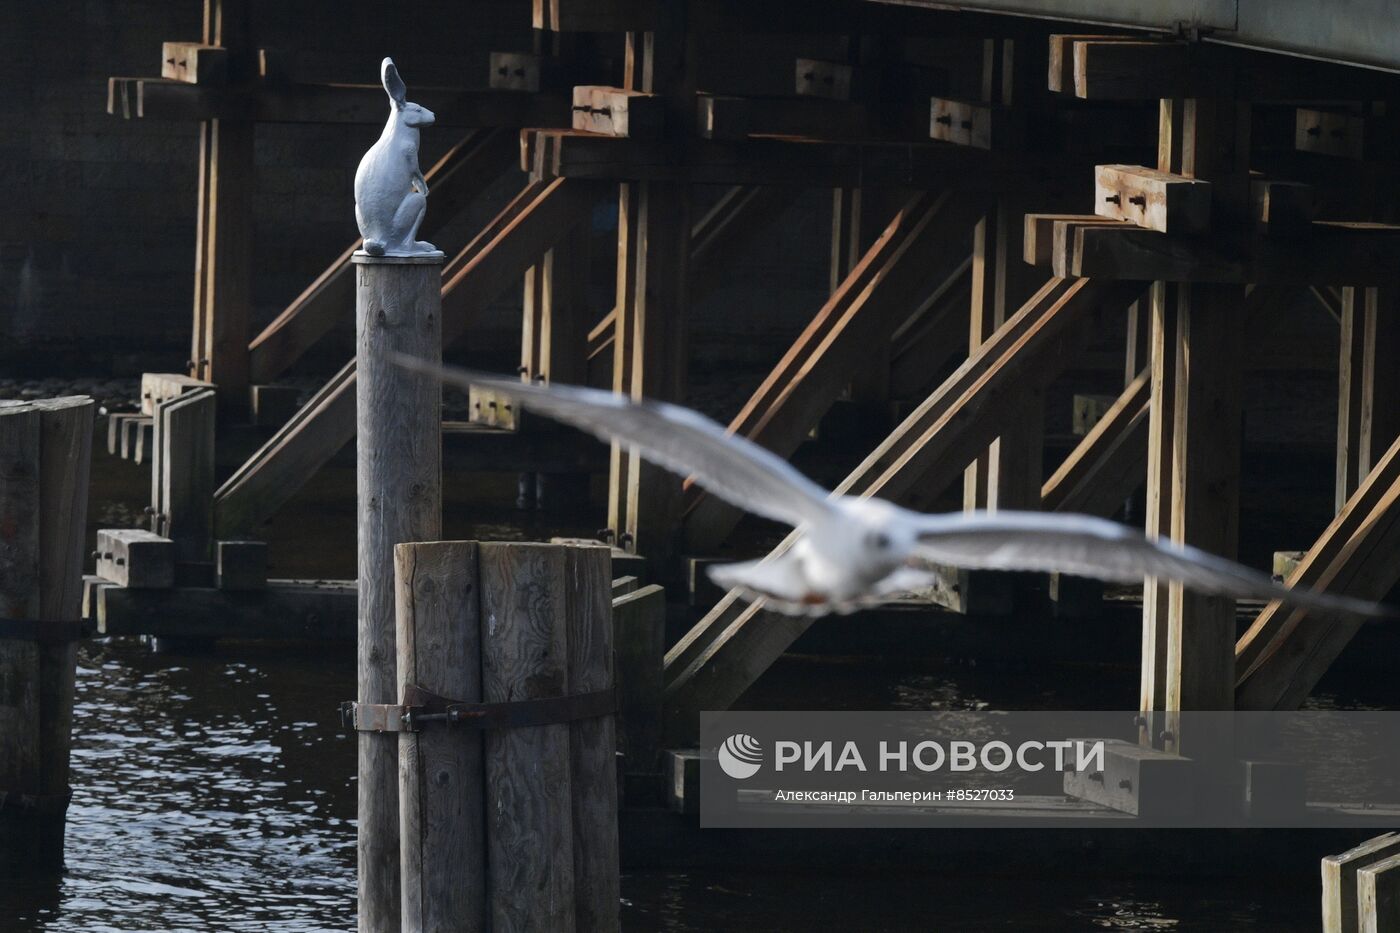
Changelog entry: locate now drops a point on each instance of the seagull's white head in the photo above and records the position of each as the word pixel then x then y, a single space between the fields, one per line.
pixel 880 531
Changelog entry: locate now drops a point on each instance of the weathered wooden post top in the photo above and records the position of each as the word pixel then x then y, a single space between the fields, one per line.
pixel 398 309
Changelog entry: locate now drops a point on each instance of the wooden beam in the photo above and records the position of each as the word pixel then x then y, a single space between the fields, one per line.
pixel 1328 252
pixel 865 309
pixel 165 99
pixel 194 62
pixel 1285 652
pixel 457 179
pixel 295 453
pixel 978 124
pixel 224 259
pixel 736 118
pixel 812 162
pixel 286 610
pixel 615 111
pixel 1060 78
pixel 1110 462
pixel 1162 201
pixel 735 642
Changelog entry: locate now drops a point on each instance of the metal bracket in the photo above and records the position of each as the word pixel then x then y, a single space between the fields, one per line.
pixel 422 706
pixel 65 630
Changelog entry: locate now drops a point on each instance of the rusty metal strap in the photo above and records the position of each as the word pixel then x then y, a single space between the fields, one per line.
pixel 423 707
pixel 32 630
pixel 38 804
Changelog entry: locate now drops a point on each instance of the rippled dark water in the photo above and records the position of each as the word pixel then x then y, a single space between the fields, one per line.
pixel 217 793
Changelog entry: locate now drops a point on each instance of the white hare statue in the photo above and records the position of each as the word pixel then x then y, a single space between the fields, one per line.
pixel 391 194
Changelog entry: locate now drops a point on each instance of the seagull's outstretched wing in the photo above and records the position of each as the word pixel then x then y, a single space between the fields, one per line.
pixel 1094 547
pixel 678 439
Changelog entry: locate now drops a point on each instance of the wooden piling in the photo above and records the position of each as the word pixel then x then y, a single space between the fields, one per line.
pixel 45 450
pixel 19 658
pixel 443 850
pixel 592 742
pixel 398 303
pixel 65 461
pixel 524 655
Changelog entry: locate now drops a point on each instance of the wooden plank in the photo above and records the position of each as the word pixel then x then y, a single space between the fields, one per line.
pixel 287 610
pixel 614 111
pixel 278 469
pixel 1061 58
pixel 1283 207
pixel 524 656
pixel 1328 252
pixel 185 434
pixel 1162 201
pixel 438 626
pixel 639 645
pixel 592 742
pixel 158 387
pixel 1366 422
pixel 135 558
pixel 515 71
pixel 1279 659
pixel 457 179
pixel 194 62
pixel 866 308
pixel 1038 237
pixel 1378 896
pixel 1163 359
pixel 1339 881
pixel 735 642
pixel 1330 133
pixel 1109 463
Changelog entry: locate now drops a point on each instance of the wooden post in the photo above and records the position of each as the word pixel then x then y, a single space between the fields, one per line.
pixel 442 816
pixel 398 305
pixel 524 655
pixel 65 461
pixel 19 657
pixel 223 269
pixel 45 451
pixel 592 742
pixel 639 633
pixel 1378 896
pixel 1367 421
pixel 1339 881
pixel 1191 664
pixel 185 436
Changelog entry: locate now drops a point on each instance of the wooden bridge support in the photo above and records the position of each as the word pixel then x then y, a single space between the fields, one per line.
pixel 736 641
pixel 1194 432
pixel 45 457
pixel 398 308
pixel 1367 418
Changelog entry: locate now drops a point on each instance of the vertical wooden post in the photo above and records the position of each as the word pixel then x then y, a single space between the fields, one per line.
pixel 639 633
pixel 592 742
pixel 1009 474
pixel 653 259
pixel 1367 420
pixel 19 657
pixel 441 790
pixel 223 252
pixel 398 308
pixel 1191 664
pixel 185 436
pixel 524 655
pixel 1162 349
pixel 65 461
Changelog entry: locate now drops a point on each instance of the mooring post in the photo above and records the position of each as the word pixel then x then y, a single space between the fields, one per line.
pixel 441 805
pixel 524 656
pixel 45 448
pixel 398 302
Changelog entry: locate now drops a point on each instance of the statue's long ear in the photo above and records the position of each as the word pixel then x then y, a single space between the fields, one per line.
pixel 398 93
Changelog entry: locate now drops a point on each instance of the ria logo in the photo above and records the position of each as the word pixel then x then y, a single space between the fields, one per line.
pixel 740 756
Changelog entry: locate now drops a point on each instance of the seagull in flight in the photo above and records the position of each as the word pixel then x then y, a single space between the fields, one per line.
pixel 855 552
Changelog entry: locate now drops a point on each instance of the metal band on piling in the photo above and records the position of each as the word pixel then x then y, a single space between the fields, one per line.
pixel 427 707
